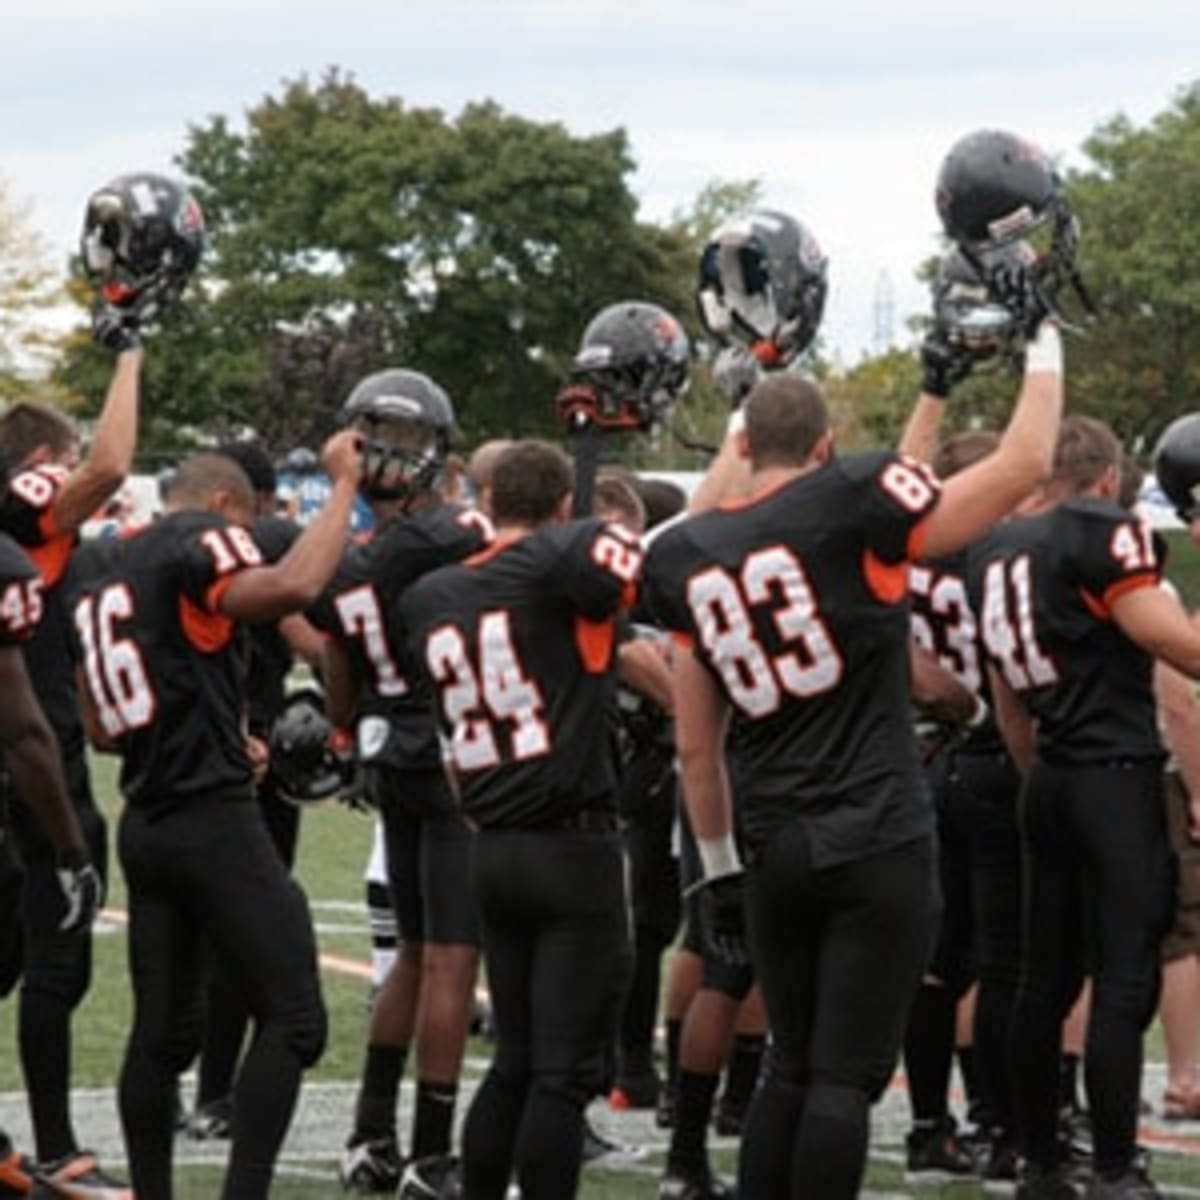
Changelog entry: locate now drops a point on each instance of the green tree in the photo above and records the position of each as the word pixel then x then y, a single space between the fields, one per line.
pixel 1138 364
pixel 352 232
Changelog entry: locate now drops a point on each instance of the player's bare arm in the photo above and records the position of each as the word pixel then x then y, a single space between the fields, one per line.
pixel 343 684
pixel 1179 714
pixel 938 692
pixel 1157 622
pixel 305 641
pixel 701 716
pixel 295 581
pixel 110 456
pixel 642 666
pixel 1013 720
pixel 32 756
pixel 976 498
pixel 727 477
pixel 98 738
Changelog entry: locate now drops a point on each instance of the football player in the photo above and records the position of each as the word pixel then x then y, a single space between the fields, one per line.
pixel 974 786
pixel 519 642
pixel 142 238
pixel 406 421
pixel 274 646
pixel 791 610
pixel 1177 467
pixel 1072 619
pixel 761 290
pixel 163 666
pixel 973 781
pixel 34 764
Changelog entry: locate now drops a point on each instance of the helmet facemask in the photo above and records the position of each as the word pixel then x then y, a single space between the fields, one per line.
pixel 967 312
pixel 401 454
pixel 632 395
pixel 736 298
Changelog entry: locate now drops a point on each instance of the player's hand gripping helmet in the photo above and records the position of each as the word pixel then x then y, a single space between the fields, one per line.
pixel 407 424
pixel 631 367
pixel 763 283
pixel 304 768
pixel 1177 465
pixel 995 189
pixel 142 237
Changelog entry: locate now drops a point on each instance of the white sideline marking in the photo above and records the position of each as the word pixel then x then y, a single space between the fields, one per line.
pixel 337 964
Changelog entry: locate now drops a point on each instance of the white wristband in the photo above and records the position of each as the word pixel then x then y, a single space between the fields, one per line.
pixel 981 713
pixel 737 423
pixel 719 856
pixel 1044 353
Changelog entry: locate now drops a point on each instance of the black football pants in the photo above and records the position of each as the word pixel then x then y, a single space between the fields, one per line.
pixel 56 967
pixel 657 908
pixel 839 953
pixel 984 803
pixel 1099 899
pixel 226 1015
pixel 554 908
pixel 206 874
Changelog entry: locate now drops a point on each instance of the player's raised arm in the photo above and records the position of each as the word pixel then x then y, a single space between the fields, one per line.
pixel 110 456
pixel 976 498
pixel 142 238
pixel 295 581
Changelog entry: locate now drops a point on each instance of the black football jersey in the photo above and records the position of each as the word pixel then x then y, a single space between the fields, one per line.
pixel 944 623
pixel 25 515
pixel 797 602
pixel 164 668
pixel 519 642
pixel 270 655
pixel 21 602
pixel 358 609
pixel 1042 587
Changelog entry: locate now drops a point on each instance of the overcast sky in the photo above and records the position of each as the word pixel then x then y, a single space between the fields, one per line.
pixel 844 109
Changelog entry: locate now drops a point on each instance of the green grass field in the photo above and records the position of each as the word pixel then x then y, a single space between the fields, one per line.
pixel 333 850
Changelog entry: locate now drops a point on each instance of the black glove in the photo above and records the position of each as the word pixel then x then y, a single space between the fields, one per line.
pixel 1017 288
pixel 942 365
pixel 723 917
pixel 82 890
pixel 115 329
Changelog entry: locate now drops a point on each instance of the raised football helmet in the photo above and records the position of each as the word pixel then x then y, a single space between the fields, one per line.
pixel 965 311
pixel 763 283
pixel 303 765
pixel 632 366
pixel 142 238
pixel 407 424
pixel 1177 465
pixel 995 189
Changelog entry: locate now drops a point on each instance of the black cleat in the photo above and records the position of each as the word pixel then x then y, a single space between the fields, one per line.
pixel 936 1155
pixel 436 1178
pixel 371 1167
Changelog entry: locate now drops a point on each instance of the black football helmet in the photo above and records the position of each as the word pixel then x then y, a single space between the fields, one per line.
pixel 763 283
pixel 1177 465
pixel 966 313
pixel 303 766
pixel 407 424
pixel 995 189
pixel 142 237
pixel 632 366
